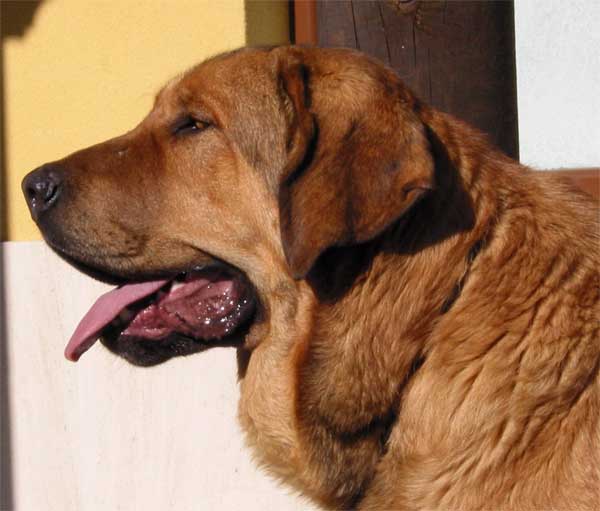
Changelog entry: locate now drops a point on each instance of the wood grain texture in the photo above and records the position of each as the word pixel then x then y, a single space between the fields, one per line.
pixel 102 435
pixel 587 180
pixel 458 56
pixel 305 22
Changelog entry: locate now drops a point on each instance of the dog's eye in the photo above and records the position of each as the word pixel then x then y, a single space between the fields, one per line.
pixel 189 125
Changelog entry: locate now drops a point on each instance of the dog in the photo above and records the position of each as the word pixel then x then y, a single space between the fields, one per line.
pixel 416 315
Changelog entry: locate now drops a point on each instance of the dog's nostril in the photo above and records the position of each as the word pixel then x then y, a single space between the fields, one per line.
pixel 44 190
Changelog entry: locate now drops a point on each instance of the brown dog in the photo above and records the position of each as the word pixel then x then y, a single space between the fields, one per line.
pixel 415 314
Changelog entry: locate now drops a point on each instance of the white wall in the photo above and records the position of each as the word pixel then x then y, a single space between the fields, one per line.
pixel 101 435
pixel 558 82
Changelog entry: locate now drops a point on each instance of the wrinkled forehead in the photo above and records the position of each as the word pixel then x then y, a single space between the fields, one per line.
pixel 224 83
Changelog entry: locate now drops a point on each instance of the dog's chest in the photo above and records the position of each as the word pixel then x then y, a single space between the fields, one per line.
pixel 266 409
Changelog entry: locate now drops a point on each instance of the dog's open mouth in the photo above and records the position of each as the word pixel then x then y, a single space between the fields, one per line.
pixel 199 306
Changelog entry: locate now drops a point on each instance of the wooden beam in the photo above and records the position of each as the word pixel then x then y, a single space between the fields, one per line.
pixel 305 22
pixel 458 56
pixel 587 180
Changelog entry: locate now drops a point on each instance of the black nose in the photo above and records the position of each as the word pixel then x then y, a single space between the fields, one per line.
pixel 42 188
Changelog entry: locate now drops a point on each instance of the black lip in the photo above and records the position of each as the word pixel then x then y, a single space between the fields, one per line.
pixel 147 353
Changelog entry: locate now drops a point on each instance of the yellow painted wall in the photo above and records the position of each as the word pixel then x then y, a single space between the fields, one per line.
pixel 86 70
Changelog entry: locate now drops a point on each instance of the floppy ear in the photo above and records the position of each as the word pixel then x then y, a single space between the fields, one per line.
pixel 358 157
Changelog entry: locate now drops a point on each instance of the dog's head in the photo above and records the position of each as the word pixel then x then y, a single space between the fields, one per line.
pixel 246 170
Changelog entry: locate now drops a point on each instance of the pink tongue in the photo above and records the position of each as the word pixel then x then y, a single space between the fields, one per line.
pixel 106 308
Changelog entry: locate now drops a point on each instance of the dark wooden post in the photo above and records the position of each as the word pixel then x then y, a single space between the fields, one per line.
pixel 458 56
pixel 305 22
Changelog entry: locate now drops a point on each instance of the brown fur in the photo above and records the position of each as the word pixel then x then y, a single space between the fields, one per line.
pixel 428 335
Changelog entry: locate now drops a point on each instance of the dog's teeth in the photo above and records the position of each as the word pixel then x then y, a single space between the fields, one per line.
pixel 176 285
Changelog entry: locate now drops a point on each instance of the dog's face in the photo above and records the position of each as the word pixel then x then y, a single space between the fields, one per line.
pixel 247 168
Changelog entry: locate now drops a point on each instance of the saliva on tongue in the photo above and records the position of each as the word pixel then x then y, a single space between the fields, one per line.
pixel 200 307
pixel 193 308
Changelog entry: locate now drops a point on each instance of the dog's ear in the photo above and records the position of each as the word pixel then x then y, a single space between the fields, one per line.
pixel 358 157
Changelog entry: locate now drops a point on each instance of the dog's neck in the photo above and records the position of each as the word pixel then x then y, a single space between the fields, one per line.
pixel 374 319
pixel 377 306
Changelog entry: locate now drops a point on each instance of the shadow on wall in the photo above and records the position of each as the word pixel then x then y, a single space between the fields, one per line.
pixel 16 17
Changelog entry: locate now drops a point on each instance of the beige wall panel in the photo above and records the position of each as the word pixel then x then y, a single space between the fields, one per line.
pixel 102 435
